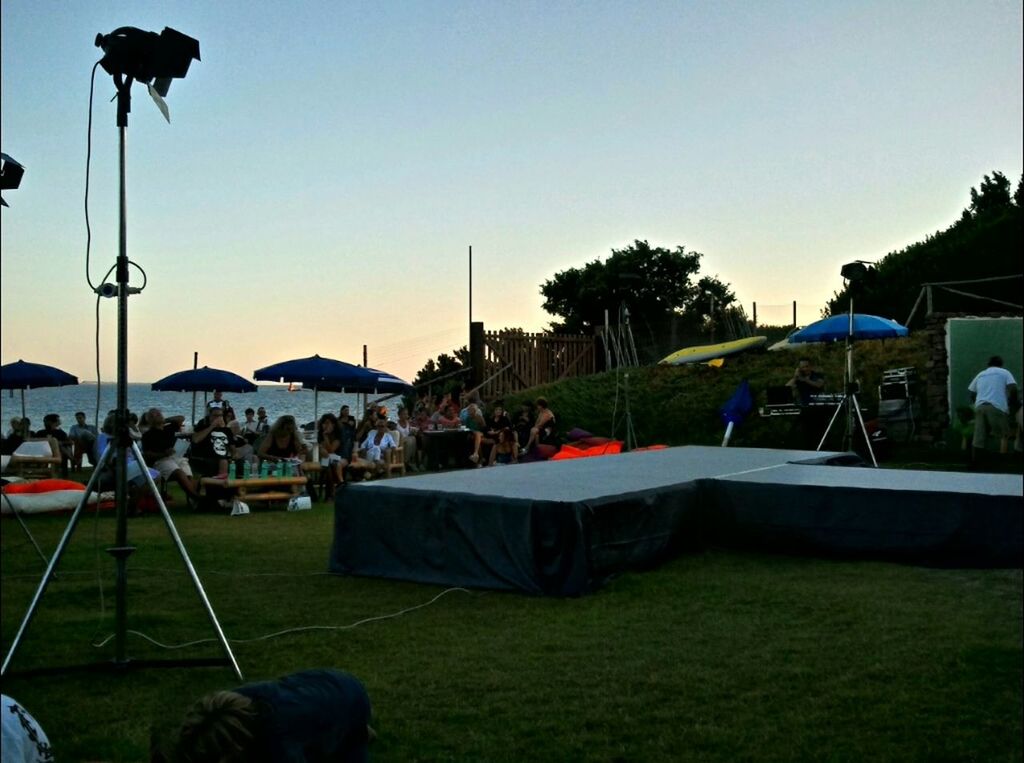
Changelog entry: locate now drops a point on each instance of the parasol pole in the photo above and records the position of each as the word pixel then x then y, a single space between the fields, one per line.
pixel 195 365
pixel 848 443
pixel 23 405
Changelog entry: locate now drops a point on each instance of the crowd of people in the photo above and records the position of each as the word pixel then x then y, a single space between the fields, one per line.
pixel 344 447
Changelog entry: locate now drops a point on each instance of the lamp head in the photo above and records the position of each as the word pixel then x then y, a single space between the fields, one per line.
pixel 10 174
pixel 857 271
pixel 148 56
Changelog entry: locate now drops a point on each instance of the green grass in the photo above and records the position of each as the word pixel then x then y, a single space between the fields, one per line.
pixel 714 656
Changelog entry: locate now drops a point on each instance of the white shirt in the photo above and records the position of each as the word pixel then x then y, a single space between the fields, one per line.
pixel 990 387
pixel 23 739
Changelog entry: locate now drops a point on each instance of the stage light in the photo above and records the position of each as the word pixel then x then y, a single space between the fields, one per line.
pixel 857 271
pixel 148 57
pixel 10 175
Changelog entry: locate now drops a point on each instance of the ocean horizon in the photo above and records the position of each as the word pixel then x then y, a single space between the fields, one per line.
pixel 276 398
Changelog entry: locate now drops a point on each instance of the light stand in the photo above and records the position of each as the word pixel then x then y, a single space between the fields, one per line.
pixel 141 55
pixel 849 401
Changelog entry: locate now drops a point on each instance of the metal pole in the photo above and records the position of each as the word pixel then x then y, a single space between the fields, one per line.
pixel 471 285
pixel 794 313
pixel 121 550
pixel 755 316
pixel 195 365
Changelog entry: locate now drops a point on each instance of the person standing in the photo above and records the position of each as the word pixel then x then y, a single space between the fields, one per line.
pixel 806 381
pixel 993 391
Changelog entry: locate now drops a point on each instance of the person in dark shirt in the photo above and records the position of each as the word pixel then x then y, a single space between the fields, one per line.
pixel 213 444
pixel 158 450
pixel 312 715
pixel 806 381
pixel 51 428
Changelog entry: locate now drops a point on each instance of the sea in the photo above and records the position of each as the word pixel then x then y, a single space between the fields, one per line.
pixel 277 399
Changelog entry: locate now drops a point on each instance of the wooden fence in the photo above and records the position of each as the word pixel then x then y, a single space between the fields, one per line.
pixel 514 361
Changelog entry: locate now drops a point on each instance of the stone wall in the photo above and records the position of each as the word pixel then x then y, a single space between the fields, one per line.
pixel 933 427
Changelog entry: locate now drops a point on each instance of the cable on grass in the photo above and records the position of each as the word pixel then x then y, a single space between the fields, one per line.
pixel 276 634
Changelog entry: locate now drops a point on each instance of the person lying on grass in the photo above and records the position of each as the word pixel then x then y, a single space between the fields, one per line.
pixel 312 715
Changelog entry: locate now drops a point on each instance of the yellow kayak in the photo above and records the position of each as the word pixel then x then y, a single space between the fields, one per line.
pixel 706 352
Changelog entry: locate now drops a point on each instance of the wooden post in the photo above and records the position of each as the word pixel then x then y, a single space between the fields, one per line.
pixel 755 316
pixel 928 297
pixel 794 313
pixel 476 353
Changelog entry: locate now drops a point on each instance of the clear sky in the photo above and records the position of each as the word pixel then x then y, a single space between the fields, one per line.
pixel 328 163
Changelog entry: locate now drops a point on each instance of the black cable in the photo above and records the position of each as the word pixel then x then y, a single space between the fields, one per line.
pixel 88 161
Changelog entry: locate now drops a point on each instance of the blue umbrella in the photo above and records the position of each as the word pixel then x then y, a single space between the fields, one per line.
pixel 736 409
pixel 837 328
pixel 23 376
pixel 203 379
pixel 328 375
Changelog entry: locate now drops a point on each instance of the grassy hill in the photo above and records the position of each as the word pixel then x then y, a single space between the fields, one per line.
pixel 678 405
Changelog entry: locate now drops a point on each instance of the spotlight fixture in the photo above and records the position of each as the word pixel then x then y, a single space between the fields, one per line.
pixel 148 57
pixel 10 175
pixel 857 271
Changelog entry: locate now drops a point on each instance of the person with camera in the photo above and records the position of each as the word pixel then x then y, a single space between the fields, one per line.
pixel 806 381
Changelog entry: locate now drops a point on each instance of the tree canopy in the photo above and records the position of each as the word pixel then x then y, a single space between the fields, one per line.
pixel 654 283
pixel 984 242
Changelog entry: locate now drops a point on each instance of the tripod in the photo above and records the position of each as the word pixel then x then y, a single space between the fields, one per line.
pixel 849 402
pixel 118 452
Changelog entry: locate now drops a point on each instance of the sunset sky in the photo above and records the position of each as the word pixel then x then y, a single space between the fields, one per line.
pixel 328 163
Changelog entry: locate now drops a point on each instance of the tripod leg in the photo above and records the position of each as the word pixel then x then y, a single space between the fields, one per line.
pixel 57 554
pixel 188 562
pixel 864 431
pixel 21 521
pixel 830 423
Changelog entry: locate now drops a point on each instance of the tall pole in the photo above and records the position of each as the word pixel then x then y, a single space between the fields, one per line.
pixel 470 284
pixel 121 550
pixel 794 313
pixel 195 365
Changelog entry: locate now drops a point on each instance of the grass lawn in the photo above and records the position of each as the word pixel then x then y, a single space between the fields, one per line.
pixel 715 656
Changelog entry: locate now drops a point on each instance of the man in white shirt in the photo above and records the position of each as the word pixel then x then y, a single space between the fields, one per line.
pixel 992 392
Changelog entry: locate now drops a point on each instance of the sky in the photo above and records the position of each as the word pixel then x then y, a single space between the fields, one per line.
pixel 328 164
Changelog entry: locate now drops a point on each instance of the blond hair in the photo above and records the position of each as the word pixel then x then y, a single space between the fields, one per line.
pixel 219 728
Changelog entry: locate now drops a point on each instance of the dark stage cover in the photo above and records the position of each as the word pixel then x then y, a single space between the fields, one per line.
pixel 562 528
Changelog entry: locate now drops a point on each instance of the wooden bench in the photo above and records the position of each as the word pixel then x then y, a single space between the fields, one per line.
pixel 257 489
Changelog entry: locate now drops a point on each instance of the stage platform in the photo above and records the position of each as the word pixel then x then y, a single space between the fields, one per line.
pixel 562 528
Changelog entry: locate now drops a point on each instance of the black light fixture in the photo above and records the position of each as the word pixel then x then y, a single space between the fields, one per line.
pixel 130 54
pixel 10 175
pixel 857 271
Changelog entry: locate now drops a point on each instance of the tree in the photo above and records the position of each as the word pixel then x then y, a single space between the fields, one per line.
pixel 985 241
pixel 994 195
pixel 654 283
pixel 444 366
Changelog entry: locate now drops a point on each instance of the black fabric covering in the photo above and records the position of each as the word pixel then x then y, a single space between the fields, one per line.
pixel 563 528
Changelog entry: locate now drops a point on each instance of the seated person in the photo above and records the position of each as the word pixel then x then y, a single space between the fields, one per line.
pixel 212 446
pixel 243 450
pixel 83 439
pixel 107 479
pixel 328 439
pixel 523 423
pixel 250 427
pixel 471 418
pixel 158 450
pixel 217 402
pixel 447 417
pixel 376 444
pixel 409 433
pixel 806 382
pixel 312 715
pixel 21 430
pixel 505 450
pixel 283 442
pixel 496 422
pixel 15 426
pixel 51 428
pixel 543 431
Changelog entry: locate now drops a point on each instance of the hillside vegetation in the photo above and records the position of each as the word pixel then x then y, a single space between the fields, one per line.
pixel 679 405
